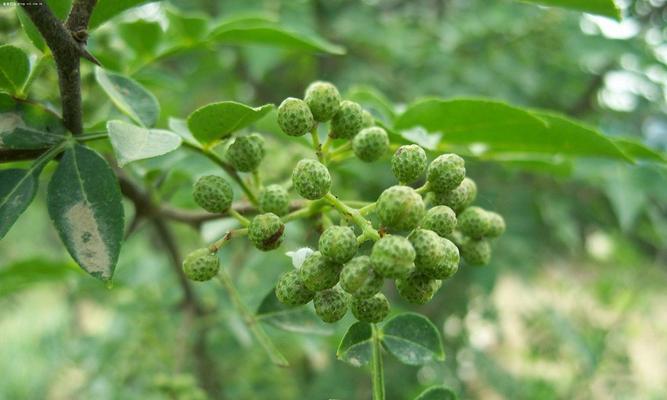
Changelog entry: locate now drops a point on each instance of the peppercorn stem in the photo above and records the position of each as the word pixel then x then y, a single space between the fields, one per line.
pixel 243 220
pixel 423 188
pixel 309 210
pixel 341 149
pixel 257 179
pixel 327 144
pixel 316 143
pixel 251 322
pixel 377 373
pixel 367 209
pixel 354 214
pixel 220 243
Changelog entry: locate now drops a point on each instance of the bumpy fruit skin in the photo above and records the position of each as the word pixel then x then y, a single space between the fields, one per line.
pixel 440 219
pixel 460 197
pixel 201 265
pixel 393 257
pixel 323 99
pixel 330 304
pixel 294 117
pixel 290 289
pixel 358 278
pixel 400 208
pixel 274 199
pixel 246 153
pixel 417 288
pixel 348 120
pixel 496 225
pixel 474 222
pixel 311 179
pixel 338 244
pixel 476 252
pixel 368 119
pixel 213 193
pixel 370 144
pixel 266 231
pixel 429 248
pixel 317 273
pixel 457 238
pixel 408 163
pixel 445 173
pixel 448 265
pixel 373 309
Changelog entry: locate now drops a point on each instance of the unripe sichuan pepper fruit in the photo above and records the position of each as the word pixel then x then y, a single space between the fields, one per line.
pixel 330 304
pixel 274 199
pixel 318 273
pixel 201 265
pixel 246 152
pixel 358 278
pixel 348 120
pixel 445 173
pixel 338 244
pixel 213 193
pixel 323 100
pixel 266 231
pixel 400 208
pixel 311 179
pixel 291 290
pixel 408 163
pixel 370 144
pixel 373 309
pixel 295 117
pixel 393 257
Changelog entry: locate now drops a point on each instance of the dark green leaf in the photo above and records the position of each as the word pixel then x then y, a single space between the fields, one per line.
pixel 219 120
pixel 497 127
pixel 437 393
pixel 355 347
pixel 142 36
pixel 84 202
pixel 413 339
pixel 262 32
pixel 298 319
pixel 31 30
pixel 26 273
pixel 60 7
pixel 17 190
pixel 18 114
pixel 132 143
pixel 107 9
pixel 601 7
pixel 14 68
pixel 130 97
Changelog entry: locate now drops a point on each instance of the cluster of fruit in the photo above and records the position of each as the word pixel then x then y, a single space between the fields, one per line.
pixel 422 233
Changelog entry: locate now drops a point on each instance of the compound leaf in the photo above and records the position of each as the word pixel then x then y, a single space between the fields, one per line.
pixel 84 203
pixel 413 339
pixel 355 347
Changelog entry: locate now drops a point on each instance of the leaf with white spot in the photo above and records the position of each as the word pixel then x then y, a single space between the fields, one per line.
pixel 132 143
pixel 437 393
pixel 355 347
pixel 413 339
pixel 84 203
pixel 129 97
pixel 297 319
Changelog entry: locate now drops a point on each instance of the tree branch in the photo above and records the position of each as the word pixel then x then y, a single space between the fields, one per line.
pixel 79 16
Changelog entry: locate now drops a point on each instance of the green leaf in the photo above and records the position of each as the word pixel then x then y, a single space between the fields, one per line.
pixel 413 339
pixel 106 9
pixel 373 100
pixel 261 31
pixel 608 8
pixel 497 127
pixel 31 30
pixel 186 26
pixel 298 319
pixel 19 114
pixel 180 127
pixel 84 203
pixel 355 347
pixel 132 143
pixel 17 190
pixel 142 36
pixel 60 7
pixel 22 137
pixel 130 97
pixel 26 273
pixel 219 120
pixel 14 68
pixel 437 393
pixel 639 151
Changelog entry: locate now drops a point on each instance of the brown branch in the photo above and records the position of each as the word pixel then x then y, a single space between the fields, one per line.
pixel 66 53
pixel 11 155
pixel 196 218
pixel 79 15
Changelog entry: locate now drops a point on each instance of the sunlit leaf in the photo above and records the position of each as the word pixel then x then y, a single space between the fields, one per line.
pixel 31 30
pixel 106 9
pixel 608 8
pixel 14 68
pixel 130 97
pixel 132 143
pixel 219 120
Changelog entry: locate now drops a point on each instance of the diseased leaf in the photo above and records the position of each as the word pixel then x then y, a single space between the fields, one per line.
pixel 132 143
pixel 413 339
pixel 437 393
pixel 355 347
pixel 608 8
pixel 14 68
pixel 19 114
pixel 494 127
pixel 129 97
pixel 300 319
pixel 17 190
pixel 84 203
pixel 106 9
pixel 219 120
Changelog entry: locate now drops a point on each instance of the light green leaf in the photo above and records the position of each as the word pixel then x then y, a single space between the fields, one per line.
pixel 17 190
pixel 180 127
pixel 494 127
pixel 132 143
pixel 413 339
pixel 608 8
pixel 437 393
pixel 355 347
pixel 142 36
pixel 26 273
pixel 106 9
pixel 373 100
pixel 219 120
pixel 298 319
pixel 639 151
pixel 84 202
pixel 130 97
pixel 31 30
pixel 19 114
pixel 60 7
pixel 261 31
pixel 186 26
pixel 14 68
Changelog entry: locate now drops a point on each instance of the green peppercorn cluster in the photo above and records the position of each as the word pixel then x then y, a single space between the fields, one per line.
pixel 416 234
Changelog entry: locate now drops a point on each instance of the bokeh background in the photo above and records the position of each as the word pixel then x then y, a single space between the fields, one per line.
pixel 571 307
